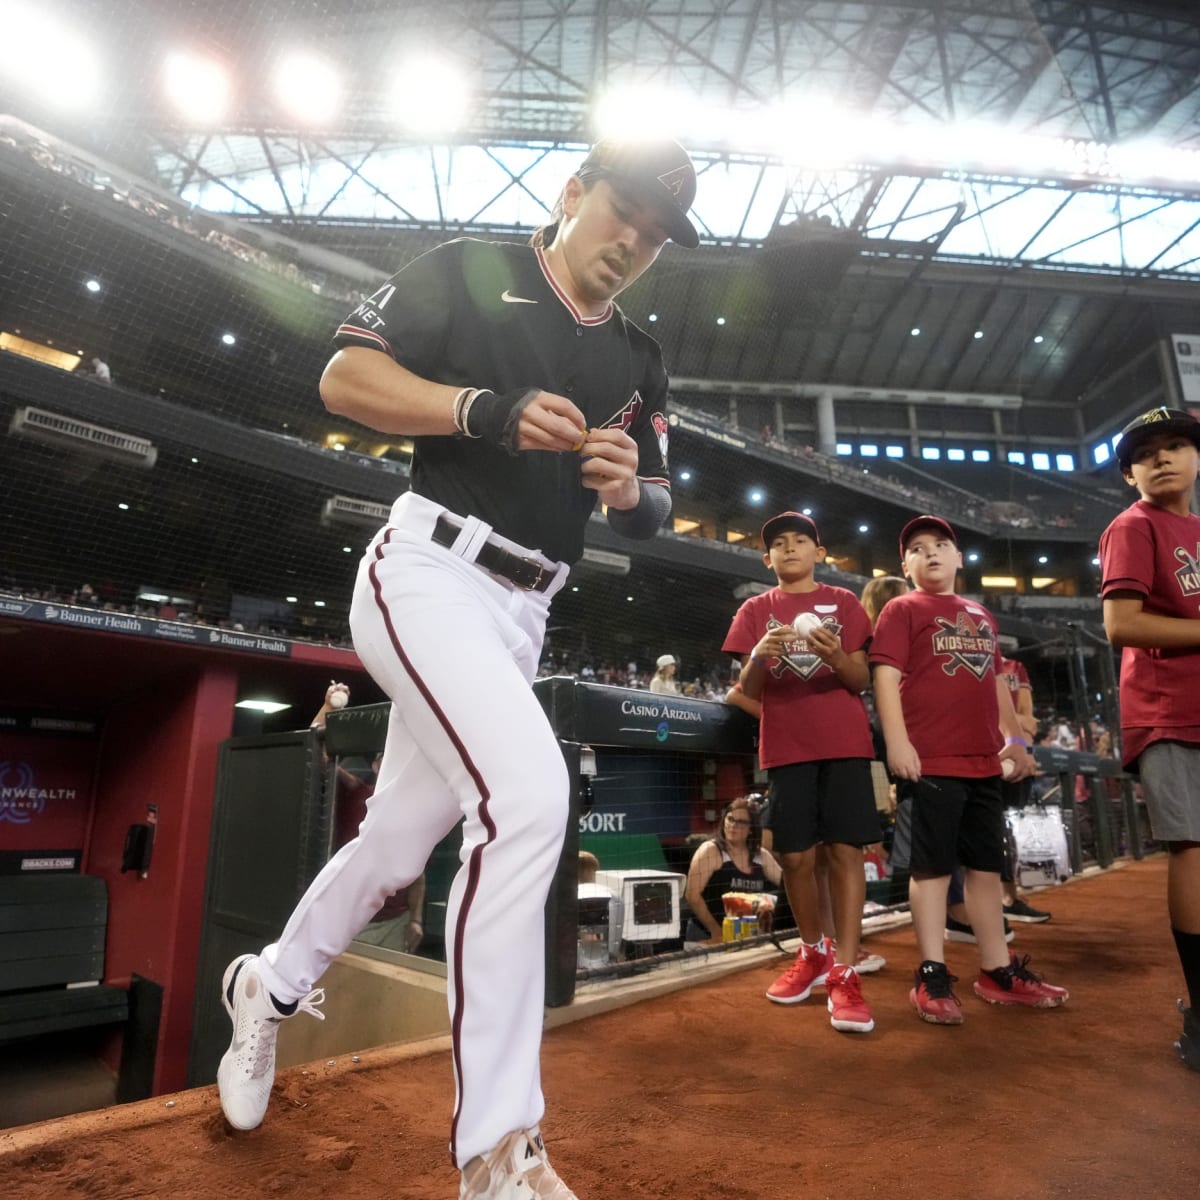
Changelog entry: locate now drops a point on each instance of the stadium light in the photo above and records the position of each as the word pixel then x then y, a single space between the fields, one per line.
pixel 93 286
pixel 198 88
pixel 635 110
pixel 307 86
pixel 44 56
pixel 430 95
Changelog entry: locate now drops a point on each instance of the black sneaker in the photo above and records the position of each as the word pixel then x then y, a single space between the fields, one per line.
pixel 960 931
pixel 1018 910
pixel 1188 1046
pixel 933 994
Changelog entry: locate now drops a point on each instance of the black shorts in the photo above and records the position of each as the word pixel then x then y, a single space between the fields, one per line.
pixel 831 800
pixel 1017 795
pixel 956 821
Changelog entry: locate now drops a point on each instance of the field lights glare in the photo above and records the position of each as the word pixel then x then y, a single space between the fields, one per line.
pixel 198 88
pixel 46 58
pixel 430 95
pixel 307 87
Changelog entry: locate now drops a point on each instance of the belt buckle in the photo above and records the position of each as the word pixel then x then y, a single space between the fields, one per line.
pixel 537 579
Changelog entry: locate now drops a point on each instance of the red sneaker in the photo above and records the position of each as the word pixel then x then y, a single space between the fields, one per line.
pixel 933 997
pixel 1016 984
pixel 848 1010
pixel 809 970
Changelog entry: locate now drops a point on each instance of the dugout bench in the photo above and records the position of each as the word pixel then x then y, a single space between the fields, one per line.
pixel 52 938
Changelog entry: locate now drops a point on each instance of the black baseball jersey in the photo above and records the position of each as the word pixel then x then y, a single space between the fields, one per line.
pixel 490 315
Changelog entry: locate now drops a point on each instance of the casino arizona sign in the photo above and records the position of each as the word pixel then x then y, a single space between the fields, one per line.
pixel 631 708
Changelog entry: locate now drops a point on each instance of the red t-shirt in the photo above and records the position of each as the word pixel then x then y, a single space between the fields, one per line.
pixel 807 713
pixel 946 648
pixel 1156 554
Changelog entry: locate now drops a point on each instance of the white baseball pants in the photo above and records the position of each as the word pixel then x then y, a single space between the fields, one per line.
pixel 456 651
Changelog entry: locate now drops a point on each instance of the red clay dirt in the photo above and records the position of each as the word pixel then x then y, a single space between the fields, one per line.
pixel 714 1092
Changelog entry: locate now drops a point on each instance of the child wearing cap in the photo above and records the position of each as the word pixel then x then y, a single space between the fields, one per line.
pixel 941 704
pixel 815 745
pixel 1150 585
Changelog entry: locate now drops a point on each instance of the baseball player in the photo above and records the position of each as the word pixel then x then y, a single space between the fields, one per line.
pixel 529 397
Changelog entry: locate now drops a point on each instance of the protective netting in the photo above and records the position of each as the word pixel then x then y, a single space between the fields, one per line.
pixel 194 473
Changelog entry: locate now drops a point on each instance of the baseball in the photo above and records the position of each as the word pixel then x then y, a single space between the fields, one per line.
pixel 338 700
pixel 804 623
pixel 1008 768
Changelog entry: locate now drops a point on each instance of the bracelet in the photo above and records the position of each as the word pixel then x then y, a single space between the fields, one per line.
pixel 755 659
pixel 474 395
pixel 1018 742
pixel 456 408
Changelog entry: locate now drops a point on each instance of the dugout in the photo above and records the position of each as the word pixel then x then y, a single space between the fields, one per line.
pixel 663 766
pixel 109 733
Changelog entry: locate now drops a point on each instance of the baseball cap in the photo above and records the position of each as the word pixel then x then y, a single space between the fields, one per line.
pixel 665 660
pixel 1149 424
pixel 925 521
pixel 660 171
pixel 789 520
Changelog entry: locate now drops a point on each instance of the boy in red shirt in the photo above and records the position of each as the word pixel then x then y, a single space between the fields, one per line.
pixel 815 745
pixel 943 706
pixel 1150 565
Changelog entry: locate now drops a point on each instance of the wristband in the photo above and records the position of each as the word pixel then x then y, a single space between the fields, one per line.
pixel 755 659
pixel 1018 742
pixel 494 418
pixel 460 402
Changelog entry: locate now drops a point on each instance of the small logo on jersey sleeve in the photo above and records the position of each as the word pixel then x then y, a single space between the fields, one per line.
pixel 1188 575
pixel 965 643
pixel 509 298
pixel 659 422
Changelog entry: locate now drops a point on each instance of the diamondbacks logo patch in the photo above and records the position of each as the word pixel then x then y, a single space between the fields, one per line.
pixel 1188 575
pixel 799 660
pixel 660 431
pixel 966 644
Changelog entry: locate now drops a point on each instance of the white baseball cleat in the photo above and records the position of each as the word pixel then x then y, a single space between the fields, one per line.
pixel 247 1068
pixel 516 1168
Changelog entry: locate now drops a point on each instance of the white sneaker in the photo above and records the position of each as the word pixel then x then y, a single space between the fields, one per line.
pixel 247 1068
pixel 515 1169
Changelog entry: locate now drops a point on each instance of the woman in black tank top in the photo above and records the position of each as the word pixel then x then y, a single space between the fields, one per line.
pixel 733 860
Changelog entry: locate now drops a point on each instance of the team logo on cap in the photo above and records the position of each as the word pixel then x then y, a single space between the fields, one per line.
pixel 674 180
pixel 966 643
pixel 1189 574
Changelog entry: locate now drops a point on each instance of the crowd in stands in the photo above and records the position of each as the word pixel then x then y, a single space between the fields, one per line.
pixel 104 596
pixel 708 683
pixel 69 165
pixel 920 491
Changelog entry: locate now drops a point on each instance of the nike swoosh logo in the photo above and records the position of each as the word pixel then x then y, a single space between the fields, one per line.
pixel 509 298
